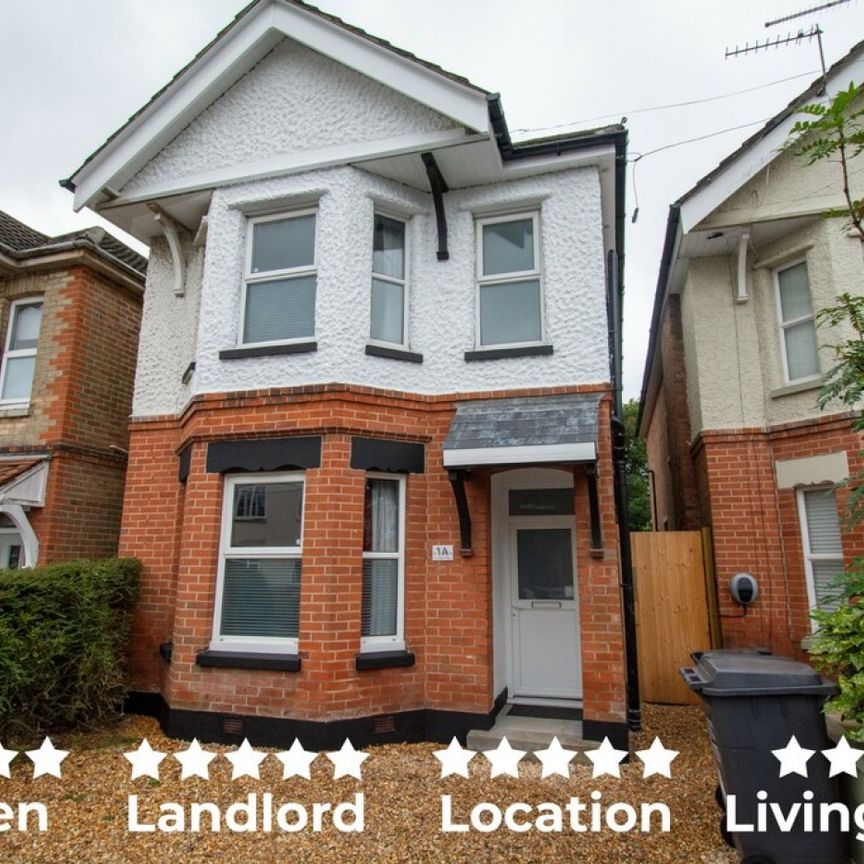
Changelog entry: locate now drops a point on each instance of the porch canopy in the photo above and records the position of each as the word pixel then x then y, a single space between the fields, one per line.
pixel 22 485
pixel 524 430
pixel 528 430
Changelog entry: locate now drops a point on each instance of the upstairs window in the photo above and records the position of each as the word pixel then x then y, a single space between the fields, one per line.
pixel 797 327
pixel 280 282
pixel 382 609
pixel 509 293
pixel 19 358
pixel 389 287
pixel 821 542
pixel 260 562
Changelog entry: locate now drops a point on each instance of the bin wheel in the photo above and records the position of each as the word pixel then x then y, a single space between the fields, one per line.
pixel 724 833
pixel 718 797
pixel 758 858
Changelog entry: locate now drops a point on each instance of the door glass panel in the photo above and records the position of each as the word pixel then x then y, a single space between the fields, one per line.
pixel 545 564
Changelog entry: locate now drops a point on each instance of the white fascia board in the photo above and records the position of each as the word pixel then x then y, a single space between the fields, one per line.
pixel 528 454
pixel 412 79
pixel 601 156
pixel 233 55
pixel 699 205
pixel 293 163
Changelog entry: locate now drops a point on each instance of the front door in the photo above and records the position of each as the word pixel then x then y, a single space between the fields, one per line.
pixel 545 653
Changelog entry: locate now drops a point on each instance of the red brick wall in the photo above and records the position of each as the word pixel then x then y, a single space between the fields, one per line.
pixel 448 618
pixel 756 527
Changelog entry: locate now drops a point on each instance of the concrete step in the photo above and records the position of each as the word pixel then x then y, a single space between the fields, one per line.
pixel 525 738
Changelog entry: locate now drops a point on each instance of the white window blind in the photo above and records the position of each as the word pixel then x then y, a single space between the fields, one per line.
pixel 822 543
pixel 258 586
pixel 383 562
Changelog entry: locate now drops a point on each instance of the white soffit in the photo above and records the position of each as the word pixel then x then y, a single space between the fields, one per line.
pixel 27 489
pixel 237 51
pixel 700 204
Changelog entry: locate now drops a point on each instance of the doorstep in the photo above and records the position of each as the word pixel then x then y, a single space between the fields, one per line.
pixel 529 734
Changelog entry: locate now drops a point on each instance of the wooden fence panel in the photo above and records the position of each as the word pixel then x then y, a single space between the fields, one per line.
pixel 672 610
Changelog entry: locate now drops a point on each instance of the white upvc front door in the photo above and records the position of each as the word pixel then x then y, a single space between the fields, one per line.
pixel 544 609
pixel 535 586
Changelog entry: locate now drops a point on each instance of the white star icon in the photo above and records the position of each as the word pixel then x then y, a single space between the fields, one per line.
pixel 195 761
pixel 47 759
pixel 245 761
pixel 347 761
pixel 296 761
pixel 793 758
pixel 6 757
pixel 657 760
pixel 606 759
pixel 555 759
pixel 145 761
pixel 843 758
pixel 504 759
pixel 455 759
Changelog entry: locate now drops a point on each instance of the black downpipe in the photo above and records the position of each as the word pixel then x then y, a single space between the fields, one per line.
pixel 619 469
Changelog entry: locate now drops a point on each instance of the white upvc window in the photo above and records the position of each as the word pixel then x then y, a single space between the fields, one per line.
pixel 509 301
pixel 260 562
pixel 279 286
pixel 389 313
pixel 382 615
pixel 19 356
pixel 798 345
pixel 821 542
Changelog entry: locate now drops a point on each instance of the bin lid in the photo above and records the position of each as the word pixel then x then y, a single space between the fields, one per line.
pixel 753 673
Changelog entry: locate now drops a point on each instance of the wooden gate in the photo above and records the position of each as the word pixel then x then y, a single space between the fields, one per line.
pixel 676 609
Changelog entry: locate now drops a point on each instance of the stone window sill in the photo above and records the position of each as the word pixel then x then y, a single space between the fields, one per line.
pixel 383 660
pixel 797 387
pixel 502 353
pixel 246 660
pixel 15 411
pixel 268 350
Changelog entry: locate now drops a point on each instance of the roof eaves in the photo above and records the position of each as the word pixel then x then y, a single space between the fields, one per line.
pixel 68 183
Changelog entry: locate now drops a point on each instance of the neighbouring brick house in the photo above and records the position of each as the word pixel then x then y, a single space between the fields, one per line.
pixel 735 437
pixel 70 312
pixel 370 472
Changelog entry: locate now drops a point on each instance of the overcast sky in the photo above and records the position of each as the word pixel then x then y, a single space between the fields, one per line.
pixel 72 71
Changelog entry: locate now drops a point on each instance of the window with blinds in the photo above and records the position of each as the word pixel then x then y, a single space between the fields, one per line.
pixel 280 280
pixel 821 542
pixel 260 562
pixel 382 613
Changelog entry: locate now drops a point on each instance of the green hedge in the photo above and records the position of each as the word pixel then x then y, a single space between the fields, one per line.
pixel 63 635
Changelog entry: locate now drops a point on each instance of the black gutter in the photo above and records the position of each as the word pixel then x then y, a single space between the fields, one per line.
pixel 672 223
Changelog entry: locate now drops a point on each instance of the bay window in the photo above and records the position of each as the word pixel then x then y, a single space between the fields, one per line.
pixel 389 317
pixel 19 356
pixel 821 542
pixel 798 345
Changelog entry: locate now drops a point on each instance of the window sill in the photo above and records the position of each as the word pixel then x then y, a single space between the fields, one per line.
pixel 797 387
pixel 247 660
pixel 502 353
pixel 268 350
pixel 394 353
pixel 15 410
pixel 383 660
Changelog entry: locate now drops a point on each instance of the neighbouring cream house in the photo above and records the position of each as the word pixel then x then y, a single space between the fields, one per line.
pixel 371 468
pixel 735 437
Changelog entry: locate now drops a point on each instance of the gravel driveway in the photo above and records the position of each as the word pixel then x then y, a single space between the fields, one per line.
pixel 87 808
